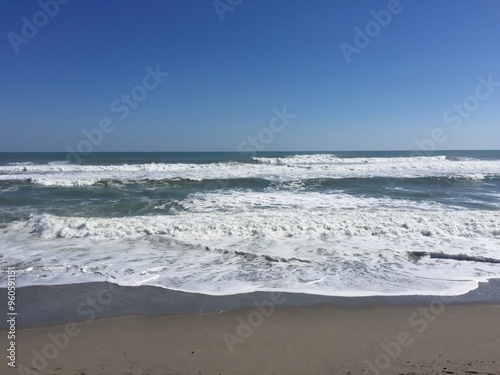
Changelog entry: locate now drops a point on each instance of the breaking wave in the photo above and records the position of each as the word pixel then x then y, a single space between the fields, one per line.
pixel 296 168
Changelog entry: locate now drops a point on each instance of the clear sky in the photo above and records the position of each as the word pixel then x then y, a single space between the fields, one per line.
pixel 416 77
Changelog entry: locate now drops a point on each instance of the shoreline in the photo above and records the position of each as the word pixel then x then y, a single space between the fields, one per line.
pixel 46 305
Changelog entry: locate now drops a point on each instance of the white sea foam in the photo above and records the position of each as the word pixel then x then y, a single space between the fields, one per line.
pixel 295 169
pixel 226 243
pixel 21 163
pixel 300 159
pixel 320 223
pixel 334 253
pixel 247 200
pixel 315 159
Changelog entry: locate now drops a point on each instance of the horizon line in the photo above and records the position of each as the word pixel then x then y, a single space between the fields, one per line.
pixel 244 153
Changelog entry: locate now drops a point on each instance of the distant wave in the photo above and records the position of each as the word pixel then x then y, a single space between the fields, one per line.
pixel 229 182
pixel 20 163
pixel 297 168
pixel 299 159
pixel 462 158
pixel 316 159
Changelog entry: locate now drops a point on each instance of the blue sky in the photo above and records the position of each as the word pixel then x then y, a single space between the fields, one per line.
pixel 226 77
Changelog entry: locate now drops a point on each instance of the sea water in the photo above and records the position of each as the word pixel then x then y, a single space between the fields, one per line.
pixel 340 224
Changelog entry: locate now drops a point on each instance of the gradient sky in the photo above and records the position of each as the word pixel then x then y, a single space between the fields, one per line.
pixel 226 77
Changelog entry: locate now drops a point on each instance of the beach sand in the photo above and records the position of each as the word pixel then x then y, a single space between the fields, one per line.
pixel 431 338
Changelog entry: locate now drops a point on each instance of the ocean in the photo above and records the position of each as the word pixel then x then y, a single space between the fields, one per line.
pixel 337 224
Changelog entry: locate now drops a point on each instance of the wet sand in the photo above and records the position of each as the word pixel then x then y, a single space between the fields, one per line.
pixel 99 328
pixel 427 339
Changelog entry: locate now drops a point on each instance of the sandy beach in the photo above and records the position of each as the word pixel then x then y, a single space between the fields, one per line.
pixel 427 336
